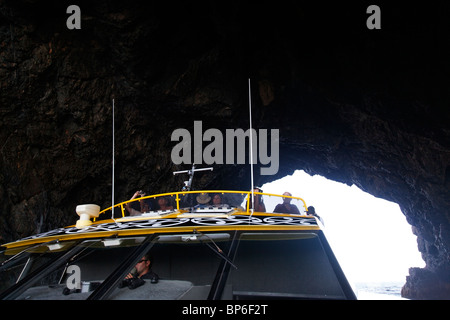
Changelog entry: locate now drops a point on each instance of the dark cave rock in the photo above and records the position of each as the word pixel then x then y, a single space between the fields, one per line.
pixel 361 107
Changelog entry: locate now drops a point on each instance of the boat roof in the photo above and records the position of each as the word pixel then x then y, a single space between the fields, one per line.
pixel 183 216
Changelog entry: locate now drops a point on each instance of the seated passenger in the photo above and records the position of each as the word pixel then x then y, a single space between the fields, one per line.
pixel 217 200
pixel 203 200
pixel 259 202
pixel 312 212
pixel 163 203
pixel 145 204
pixel 286 206
pixel 141 271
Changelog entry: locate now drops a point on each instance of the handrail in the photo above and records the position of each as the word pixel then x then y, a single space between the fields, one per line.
pixel 177 198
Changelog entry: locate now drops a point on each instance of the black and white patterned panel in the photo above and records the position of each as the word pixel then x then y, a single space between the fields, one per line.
pixel 178 222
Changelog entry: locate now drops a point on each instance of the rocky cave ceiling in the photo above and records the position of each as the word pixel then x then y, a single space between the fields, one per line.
pixel 359 106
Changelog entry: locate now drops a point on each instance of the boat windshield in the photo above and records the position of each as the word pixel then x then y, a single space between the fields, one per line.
pixel 62 270
pixel 192 265
pixel 284 266
pixel 17 263
pixel 208 201
pixel 182 265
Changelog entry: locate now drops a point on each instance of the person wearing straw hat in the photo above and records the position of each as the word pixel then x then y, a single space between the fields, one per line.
pixel 202 200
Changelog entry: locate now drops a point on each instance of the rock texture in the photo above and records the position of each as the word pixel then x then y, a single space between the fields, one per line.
pixel 359 106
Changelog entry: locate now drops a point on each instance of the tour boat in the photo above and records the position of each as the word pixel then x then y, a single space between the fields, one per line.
pixel 224 250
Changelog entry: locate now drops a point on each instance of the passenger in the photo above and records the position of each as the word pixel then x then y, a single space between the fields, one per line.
pixel 163 203
pixel 286 206
pixel 144 204
pixel 259 202
pixel 312 212
pixel 217 200
pixel 141 271
pixel 202 200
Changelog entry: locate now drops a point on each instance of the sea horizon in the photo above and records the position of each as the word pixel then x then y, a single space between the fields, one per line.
pixel 379 290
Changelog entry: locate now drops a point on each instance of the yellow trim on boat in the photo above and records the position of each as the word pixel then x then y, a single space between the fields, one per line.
pixel 148 231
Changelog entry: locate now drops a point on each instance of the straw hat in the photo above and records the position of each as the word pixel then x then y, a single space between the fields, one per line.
pixel 203 198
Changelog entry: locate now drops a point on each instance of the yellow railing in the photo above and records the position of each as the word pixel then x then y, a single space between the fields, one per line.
pixel 177 197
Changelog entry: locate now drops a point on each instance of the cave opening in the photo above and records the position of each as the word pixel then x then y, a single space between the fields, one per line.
pixel 370 236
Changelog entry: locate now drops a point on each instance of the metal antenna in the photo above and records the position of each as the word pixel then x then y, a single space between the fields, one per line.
pixel 113 152
pixel 251 143
pixel 188 184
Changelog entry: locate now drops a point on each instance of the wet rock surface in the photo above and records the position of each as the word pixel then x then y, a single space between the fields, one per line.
pixel 359 106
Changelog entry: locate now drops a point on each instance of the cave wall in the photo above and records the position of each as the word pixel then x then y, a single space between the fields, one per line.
pixel 359 106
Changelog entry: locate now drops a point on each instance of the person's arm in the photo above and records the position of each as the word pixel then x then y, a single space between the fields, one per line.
pixel 128 205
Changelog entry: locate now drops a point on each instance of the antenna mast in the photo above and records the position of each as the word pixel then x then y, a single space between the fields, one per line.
pixel 251 143
pixel 113 151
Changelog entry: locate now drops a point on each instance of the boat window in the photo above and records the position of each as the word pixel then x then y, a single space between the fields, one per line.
pixel 77 276
pixel 17 263
pixel 281 266
pixel 185 265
